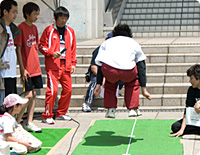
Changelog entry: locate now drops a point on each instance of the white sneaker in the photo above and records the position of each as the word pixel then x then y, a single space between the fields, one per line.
pixel 86 107
pixel 110 113
pixel 32 128
pixel 64 117
pixel 138 112
pixel 48 121
pixel 134 113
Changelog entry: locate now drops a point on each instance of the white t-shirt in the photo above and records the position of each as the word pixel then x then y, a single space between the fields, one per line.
pixel 7 124
pixel 9 56
pixel 120 52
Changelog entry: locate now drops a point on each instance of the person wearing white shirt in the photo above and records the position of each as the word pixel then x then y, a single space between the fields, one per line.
pixel 121 58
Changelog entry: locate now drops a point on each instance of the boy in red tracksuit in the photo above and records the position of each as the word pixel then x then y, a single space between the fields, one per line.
pixel 58 44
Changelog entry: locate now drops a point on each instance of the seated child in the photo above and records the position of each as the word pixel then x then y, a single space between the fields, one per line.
pixel 19 139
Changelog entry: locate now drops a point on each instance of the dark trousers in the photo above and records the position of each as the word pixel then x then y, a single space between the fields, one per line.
pixel 90 91
pixel 188 130
pixel 10 85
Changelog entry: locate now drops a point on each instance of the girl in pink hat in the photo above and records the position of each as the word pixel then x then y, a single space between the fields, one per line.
pixel 8 126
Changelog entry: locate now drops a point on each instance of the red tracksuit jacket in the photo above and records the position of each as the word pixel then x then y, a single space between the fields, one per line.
pixel 50 43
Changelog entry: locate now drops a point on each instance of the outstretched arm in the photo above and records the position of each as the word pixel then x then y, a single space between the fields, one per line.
pixel 141 68
pixel 24 73
pixel 181 131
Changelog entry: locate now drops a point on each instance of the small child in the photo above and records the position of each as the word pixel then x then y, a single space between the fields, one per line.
pixel 19 140
pixel 30 69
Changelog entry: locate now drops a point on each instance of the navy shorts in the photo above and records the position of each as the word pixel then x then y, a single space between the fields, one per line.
pixel 33 83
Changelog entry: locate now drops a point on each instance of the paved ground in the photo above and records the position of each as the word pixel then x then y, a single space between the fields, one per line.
pixel 190 142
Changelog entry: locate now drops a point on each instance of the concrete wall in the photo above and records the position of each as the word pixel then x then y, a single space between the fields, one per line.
pixel 86 16
pixel 46 14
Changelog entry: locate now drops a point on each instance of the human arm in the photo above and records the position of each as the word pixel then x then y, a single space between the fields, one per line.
pixel 141 68
pixel 94 69
pixel 4 65
pixel 10 138
pixel 44 44
pixel 181 131
pixel 24 73
pixel 197 107
pixel 73 70
pixel 145 93
pixel 97 89
pixel 73 50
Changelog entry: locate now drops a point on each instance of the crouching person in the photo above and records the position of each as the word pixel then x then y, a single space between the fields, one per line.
pixel 19 139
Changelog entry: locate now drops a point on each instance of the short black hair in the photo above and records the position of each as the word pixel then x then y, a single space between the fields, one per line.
pixel 3 108
pixel 28 8
pixel 195 71
pixel 122 30
pixel 7 5
pixel 61 11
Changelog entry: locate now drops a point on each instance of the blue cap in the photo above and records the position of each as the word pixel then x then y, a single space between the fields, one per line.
pixel 109 35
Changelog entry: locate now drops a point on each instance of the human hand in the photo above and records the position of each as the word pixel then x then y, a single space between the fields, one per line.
pixel 28 145
pixel 56 54
pixel 197 107
pixel 73 69
pixel 97 90
pixel 145 93
pixel 177 134
pixel 6 65
pixel 24 75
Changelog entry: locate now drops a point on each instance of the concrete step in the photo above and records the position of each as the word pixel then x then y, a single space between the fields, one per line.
pixel 168 67
pixel 162 45
pixel 167 78
pixel 151 67
pixel 154 58
pixel 157 100
pixel 76 79
pixel 152 49
pixel 151 78
pixel 173 58
pixel 153 88
pixel 81 59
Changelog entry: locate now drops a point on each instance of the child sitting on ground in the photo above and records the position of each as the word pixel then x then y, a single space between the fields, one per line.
pixel 19 139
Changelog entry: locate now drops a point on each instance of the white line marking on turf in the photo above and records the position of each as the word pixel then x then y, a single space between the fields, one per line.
pixel 130 138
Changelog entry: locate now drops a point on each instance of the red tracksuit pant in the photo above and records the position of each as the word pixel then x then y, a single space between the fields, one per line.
pixel 53 79
pixel 132 89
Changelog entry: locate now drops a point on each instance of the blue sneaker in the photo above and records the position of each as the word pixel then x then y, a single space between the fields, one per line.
pixel 86 107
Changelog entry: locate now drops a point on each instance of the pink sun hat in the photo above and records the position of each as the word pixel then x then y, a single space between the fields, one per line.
pixel 13 99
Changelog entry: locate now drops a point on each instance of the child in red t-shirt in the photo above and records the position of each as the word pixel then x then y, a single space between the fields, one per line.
pixel 30 69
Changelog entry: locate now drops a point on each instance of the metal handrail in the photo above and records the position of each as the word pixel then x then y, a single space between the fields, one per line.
pixel 106 9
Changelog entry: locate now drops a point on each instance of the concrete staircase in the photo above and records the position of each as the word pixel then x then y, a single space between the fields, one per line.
pixel 161 18
pixel 167 62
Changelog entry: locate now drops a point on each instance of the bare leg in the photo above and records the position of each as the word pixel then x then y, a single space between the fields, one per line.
pixel 31 107
pixel 27 95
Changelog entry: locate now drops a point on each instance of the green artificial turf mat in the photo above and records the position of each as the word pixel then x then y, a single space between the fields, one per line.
pixel 49 137
pixel 111 137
